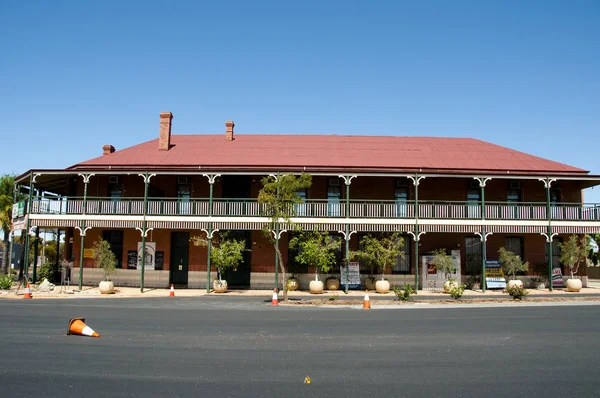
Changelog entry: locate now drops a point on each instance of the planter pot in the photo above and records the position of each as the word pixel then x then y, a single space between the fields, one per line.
pixel 370 284
pixel 449 285
pixel 540 285
pixel 106 287
pixel 333 284
pixel 514 282
pixel 315 287
pixel 292 284
pixel 382 287
pixel 574 285
pixel 220 286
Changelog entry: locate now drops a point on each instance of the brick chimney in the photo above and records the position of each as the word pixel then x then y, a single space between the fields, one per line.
pixel 107 149
pixel 229 125
pixel 164 137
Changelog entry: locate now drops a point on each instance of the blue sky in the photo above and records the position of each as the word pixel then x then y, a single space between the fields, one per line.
pixel 76 75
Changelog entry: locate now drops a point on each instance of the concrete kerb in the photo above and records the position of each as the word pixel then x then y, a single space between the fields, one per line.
pixel 355 295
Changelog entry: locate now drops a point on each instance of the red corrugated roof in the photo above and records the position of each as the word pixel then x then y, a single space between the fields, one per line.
pixel 330 151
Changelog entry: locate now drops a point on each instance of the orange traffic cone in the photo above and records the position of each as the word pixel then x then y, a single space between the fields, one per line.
pixel 27 292
pixel 274 300
pixel 78 327
pixel 172 293
pixel 367 302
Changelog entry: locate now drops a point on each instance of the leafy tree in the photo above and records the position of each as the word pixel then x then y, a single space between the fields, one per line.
pixel 511 263
pixel 7 184
pixel 278 198
pixel 315 249
pixel 594 253
pixel 443 262
pixel 225 252
pixel 380 251
pixel 574 251
pixel 104 258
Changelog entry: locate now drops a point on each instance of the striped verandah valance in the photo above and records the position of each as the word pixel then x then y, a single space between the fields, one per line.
pixel 354 226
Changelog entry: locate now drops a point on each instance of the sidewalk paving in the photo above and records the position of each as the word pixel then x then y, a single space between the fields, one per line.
pixel 72 292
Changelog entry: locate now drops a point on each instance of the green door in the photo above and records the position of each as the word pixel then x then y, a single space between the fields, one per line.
pixel 180 254
pixel 240 279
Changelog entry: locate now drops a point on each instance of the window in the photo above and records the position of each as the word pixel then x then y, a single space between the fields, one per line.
pixel 513 196
pixel 400 198
pixel 183 199
pixel 555 253
pixel 474 203
pixel 115 240
pixel 473 257
pixel 300 208
pixel 334 194
pixel 402 265
pixel 515 245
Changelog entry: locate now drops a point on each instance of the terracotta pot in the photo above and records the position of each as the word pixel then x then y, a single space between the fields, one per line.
pixel 370 284
pixel 220 286
pixel 574 285
pixel 106 287
pixel 382 287
pixel 315 287
pixel 292 284
pixel 333 284
pixel 449 285
pixel 514 282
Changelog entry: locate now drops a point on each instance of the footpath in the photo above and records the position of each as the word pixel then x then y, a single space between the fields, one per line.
pixel 591 293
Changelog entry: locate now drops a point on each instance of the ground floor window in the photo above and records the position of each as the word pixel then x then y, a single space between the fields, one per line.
pixel 115 240
pixel 402 265
pixel 473 255
pixel 555 253
pixel 515 244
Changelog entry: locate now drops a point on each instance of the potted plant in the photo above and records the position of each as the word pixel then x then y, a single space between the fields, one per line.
pixel 381 251
pixel 317 250
pixel 225 253
pixel 572 253
pixel 292 282
pixel 104 258
pixel 444 264
pixel 511 264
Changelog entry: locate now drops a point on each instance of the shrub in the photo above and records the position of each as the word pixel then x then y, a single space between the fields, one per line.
pixel 457 291
pixel 6 281
pixel 49 271
pixel 517 292
pixel 405 292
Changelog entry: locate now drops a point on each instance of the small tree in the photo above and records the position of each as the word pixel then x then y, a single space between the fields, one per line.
pixel 443 262
pixel 104 258
pixel 278 199
pixel 315 249
pixel 511 263
pixel 380 251
pixel 574 251
pixel 225 252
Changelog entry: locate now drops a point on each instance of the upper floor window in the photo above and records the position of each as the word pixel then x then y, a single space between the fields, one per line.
pixel 334 194
pixel 513 196
pixel 114 188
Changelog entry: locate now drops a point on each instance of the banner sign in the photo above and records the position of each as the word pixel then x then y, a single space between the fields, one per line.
pixel 494 276
pixel 19 224
pixel 150 255
pixel 434 280
pixel 18 209
pixel 353 276
pixel 557 278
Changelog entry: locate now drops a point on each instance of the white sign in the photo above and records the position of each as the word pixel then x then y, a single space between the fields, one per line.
pixel 353 276
pixel 434 280
pixel 150 255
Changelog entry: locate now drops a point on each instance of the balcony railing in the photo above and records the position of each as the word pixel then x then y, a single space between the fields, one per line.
pixel 321 209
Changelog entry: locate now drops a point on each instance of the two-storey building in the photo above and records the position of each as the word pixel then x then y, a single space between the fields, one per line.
pixel 464 195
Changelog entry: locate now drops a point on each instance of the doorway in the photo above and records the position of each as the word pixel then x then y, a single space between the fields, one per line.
pixel 180 254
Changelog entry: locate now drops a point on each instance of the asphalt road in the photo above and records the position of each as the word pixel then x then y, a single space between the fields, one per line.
pixel 243 347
